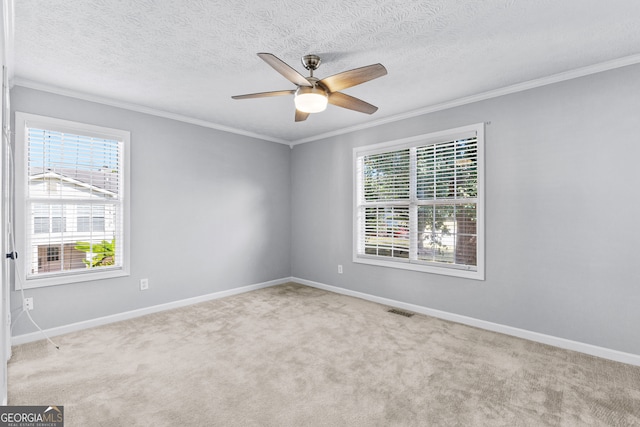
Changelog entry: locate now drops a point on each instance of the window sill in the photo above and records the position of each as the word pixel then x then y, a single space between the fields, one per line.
pixel 66 279
pixel 404 264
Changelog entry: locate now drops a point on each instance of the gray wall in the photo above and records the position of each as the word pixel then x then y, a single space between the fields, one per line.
pixel 562 230
pixel 210 211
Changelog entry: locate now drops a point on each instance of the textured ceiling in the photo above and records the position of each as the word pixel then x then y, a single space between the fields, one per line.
pixel 189 57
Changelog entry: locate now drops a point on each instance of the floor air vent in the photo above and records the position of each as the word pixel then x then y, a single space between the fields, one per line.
pixel 400 312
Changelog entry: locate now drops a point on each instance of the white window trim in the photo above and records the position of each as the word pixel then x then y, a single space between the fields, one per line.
pixel 24 120
pixel 431 138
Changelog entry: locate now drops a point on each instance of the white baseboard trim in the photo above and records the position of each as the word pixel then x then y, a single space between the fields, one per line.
pixel 605 353
pixel 73 327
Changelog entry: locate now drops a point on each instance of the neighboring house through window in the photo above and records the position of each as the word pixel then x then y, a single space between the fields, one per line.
pixel 90 218
pixel 72 185
pixel 419 203
pixel 48 219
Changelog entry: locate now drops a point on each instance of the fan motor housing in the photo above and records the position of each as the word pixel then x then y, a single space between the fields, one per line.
pixel 311 62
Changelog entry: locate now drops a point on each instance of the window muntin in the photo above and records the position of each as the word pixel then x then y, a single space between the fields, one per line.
pixel 74 182
pixel 418 203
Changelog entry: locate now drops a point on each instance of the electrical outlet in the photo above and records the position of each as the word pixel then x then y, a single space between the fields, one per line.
pixel 339 269
pixel 144 284
pixel 28 303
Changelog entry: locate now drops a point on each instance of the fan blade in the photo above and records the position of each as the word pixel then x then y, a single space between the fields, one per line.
pixel 353 77
pixel 300 116
pixel 346 101
pixel 280 66
pixel 265 94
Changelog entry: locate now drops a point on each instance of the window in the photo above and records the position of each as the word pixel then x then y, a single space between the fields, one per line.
pixel 418 203
pixel 72 187
pixel 53 253
pixel 91 218
pixel 48 219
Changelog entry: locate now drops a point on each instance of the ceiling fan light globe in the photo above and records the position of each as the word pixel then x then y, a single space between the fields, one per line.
pixel 311 99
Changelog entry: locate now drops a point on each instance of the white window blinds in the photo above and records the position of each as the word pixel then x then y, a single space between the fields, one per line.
pixel 74 200
pixel 418 203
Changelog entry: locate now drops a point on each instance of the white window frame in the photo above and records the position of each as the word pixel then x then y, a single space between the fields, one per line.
pixel 26 120
pixel 470 272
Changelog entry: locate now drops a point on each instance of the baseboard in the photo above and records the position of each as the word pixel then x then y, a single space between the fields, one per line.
pixel 73 327
pixel 605 353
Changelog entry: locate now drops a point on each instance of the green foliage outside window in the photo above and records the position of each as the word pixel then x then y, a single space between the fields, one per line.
pixel 103 253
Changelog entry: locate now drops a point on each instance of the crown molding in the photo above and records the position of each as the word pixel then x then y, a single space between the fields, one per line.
pixel 507 90
pixel 30 84
pixel 519 87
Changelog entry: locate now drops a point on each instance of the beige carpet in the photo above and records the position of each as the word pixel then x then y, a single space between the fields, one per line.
pixel 291 355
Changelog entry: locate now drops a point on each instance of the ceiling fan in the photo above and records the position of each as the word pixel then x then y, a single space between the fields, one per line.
pixel 313 94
